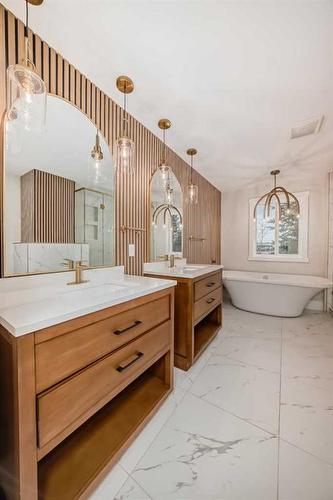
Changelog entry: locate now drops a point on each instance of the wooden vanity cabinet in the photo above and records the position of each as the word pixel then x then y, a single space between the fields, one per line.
pixel 73 396
pixel 198 315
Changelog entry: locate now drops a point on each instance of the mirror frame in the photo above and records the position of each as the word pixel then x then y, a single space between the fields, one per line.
pixel 150 214
pixel 3 196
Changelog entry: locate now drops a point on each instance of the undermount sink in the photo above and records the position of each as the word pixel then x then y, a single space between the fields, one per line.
pixel 191 269
pixel 96 289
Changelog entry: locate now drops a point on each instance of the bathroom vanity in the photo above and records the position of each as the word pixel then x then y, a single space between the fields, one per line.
pixel 85 369
pixel 198 307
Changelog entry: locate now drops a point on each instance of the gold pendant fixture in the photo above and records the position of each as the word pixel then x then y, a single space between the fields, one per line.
pixel 275 194
pixel 125 148
pixel 192 190
pixel 165 170
pixel 26 91
pixel 98 176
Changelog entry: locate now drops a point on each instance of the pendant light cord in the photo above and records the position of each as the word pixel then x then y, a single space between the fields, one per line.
pixel 164 155
pixel 26 27
pixel 191 170
pixel 124 113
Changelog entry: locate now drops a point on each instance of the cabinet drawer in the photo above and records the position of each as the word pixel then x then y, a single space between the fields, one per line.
pixel 62 356
pixel 207 285
pixel 207 303
pixel 69 403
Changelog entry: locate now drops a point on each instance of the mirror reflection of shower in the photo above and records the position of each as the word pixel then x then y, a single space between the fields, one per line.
pixel 166 217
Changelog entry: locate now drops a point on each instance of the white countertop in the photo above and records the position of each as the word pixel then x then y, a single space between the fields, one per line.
pixel 180 271
pixel 29 303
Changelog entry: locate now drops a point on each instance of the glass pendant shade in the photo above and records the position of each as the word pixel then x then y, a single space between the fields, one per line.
pixel 99 176
pixel 26 91
pixel 192 194
pixel 125 147
pixel 165 172
pixel 125 154
pixel 13 137
pixel 26 98
pixel 168 195
pixel 192 190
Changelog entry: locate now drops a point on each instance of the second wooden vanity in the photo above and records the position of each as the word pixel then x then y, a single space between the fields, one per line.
pixel 75 394
pixel 198 310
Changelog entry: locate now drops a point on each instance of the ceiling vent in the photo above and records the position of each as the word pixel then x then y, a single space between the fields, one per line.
pixel 312 127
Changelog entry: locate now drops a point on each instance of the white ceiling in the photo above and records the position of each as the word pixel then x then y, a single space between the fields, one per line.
pixel 233 77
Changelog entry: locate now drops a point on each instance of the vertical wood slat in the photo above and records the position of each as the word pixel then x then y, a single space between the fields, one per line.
pixel 53 71
pixel 47 202
pixel 66 80
pixel 2 110
pixel 72 84
pixel 59 76
pixel 38 54
pixel 46 66
pixel 77 89
pixel 83 105
pixel 11 39
pixel 132 193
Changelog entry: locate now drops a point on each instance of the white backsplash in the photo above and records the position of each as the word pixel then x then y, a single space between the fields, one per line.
pixel 46 257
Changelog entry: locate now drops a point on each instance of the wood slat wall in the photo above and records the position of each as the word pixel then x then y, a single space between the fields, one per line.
pixel 132 191
pixel 47 208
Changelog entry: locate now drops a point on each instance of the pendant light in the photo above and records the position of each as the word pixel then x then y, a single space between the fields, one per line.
pixel 276 194
pixel 97 176
pixel 164 169
pixel 125 148
pixel 26 91
pixel 192 190
pixel 168 194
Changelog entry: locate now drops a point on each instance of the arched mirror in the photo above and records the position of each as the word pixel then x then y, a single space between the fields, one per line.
pixel 166 217
pixel 59 194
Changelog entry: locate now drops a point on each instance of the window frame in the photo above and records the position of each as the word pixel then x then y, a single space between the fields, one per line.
pixel 303 230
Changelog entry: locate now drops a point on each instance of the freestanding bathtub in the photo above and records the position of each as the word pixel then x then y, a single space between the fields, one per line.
pixel 273 294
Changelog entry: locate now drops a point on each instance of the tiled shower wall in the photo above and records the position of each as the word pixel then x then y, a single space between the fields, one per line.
pixel 330 236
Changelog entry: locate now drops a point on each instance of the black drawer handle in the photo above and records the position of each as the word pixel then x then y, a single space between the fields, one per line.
pixel 210 284
pixel 209 301
pixel 134 324
pixel 129 361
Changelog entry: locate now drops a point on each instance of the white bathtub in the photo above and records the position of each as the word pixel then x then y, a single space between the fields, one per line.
pixel 273 294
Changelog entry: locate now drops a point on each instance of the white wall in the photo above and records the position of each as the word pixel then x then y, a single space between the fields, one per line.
pixel 235 227
pixel 330 236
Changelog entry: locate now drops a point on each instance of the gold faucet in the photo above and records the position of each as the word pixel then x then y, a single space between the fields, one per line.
pixel 172 260
pixel 69 263
pixel 78 268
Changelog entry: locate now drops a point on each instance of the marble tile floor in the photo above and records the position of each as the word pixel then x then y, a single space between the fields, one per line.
pixel 252 419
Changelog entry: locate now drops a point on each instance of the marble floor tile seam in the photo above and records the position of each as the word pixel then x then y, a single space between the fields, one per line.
pixel 129 473
pixel 306 382
pixel 272 434
pixel 189 379
pixel 279 417
pixel 326 462
pixel 244 363
pixel 136 482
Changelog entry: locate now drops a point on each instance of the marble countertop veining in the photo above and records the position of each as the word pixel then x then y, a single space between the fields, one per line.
pixel 29 303
pixel 180 271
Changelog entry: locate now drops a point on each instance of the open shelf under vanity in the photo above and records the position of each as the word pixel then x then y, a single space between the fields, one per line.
pixel 88 453
pixel 205 330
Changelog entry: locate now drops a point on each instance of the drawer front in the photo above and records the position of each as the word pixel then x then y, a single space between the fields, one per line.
pixel 62 356
pixel 207 285
pixel 67 403
pixel 207 303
